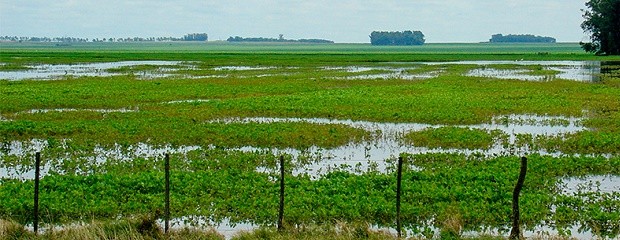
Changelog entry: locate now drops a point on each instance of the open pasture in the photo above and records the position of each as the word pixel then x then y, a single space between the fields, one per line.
pixel 341 114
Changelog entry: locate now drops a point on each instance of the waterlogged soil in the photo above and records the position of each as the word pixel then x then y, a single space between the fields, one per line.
pixel 593 183
pixel 60 71
pixel 585 71
pixel 377 153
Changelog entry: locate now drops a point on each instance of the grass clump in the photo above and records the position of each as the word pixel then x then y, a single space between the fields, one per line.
pixel 143 228
pixel 341 231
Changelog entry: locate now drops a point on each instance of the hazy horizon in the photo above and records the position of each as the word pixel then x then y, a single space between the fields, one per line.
pixel 347 21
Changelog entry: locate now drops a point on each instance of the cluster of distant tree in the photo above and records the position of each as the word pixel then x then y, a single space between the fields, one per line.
pixel 280 39
pixel 41 39
pixel 397 38
pixel 187 37
pixel 196 37
pixel 520 38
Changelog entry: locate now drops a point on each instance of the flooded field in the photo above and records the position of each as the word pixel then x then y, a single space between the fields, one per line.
pixel 587 71
pixel 341 125
pixel 376 153
pixel 60 71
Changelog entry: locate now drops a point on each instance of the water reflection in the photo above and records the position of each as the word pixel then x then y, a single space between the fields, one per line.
pixel 58 71
pixel 379 152
pixel 376 153
pixel 593 183
pixel 585 71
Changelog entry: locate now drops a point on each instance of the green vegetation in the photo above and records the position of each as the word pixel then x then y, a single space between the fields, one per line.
pixel 89 124
pixel 602 20
pixel 455 137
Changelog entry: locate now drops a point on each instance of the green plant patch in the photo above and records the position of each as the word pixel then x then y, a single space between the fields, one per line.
pixel 455 137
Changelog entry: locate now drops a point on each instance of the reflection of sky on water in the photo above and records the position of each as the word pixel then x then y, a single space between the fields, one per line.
pixel 584 71
pixel 387 145
pixel 569 70
pixel 57 71
pixel 595 183
pixel 375 153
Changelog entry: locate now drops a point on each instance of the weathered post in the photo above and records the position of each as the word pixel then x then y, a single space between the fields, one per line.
pixel 37 166
pixel 281 210
pixel 167 197
pixel 515 233
pixel 398 186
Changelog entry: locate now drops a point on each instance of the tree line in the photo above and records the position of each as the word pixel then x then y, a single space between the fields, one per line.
pixel 520 38
pixel 280 39
pixel 397 38
pixel 187 37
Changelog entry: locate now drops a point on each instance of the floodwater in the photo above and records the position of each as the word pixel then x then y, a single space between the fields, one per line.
pixel 591 183
pixel 376 153
pixel 379 152
pixel 59 71
pixel 120 110
pixel 585 71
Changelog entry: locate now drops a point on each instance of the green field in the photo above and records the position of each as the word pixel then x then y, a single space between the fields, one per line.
pixel 210 102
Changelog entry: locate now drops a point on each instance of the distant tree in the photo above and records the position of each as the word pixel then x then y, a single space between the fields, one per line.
pixel 602 21
pixel 196 37
pixel 520 38
pixel 397 38
pixel 279 39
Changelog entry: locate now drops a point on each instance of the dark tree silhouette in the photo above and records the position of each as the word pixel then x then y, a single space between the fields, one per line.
pixel 602 21
pixel 397 38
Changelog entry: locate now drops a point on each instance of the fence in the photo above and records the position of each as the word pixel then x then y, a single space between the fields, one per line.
pixel 515 233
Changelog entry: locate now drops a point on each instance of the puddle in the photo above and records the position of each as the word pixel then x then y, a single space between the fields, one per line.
pixel 240 68
pixel 379 152
pixel 59 71
pixel 586 71
pixel 188 101
pixel 99 155
pixel 395 75
pixel 583 71
pixel 225 228
pixel 121 110
pixel 505 74
pixel 392 73
pixel 595 183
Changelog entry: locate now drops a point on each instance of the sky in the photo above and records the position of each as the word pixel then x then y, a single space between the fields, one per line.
pixel 342 21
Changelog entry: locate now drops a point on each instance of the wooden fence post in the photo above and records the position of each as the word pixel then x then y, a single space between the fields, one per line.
pixel 167 193
pixel 281 209
pixel 37 167
pixel 515 233
pixel 398 190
